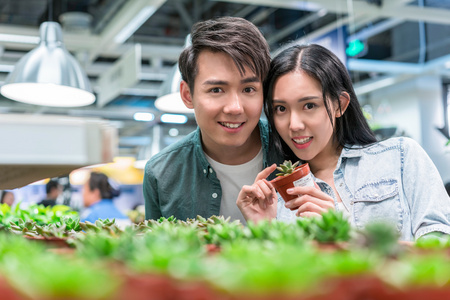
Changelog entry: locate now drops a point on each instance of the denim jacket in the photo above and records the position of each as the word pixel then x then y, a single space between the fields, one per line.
pixel 179 181
pixel 390 181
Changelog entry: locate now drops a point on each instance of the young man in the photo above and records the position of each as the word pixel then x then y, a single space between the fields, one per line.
pixel 222 75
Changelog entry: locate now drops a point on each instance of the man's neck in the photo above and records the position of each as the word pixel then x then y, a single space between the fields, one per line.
pixel 237 155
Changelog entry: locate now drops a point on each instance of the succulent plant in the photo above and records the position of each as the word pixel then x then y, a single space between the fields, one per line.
pixel 286 168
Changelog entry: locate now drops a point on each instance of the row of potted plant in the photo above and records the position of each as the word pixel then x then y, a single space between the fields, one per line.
pixel 171 259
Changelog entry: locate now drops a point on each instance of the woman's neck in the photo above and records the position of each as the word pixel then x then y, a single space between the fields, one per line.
pixel 326 161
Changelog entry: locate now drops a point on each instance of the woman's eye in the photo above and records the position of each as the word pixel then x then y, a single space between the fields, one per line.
pixel 215 90
pixel 280 108
pixel 310 105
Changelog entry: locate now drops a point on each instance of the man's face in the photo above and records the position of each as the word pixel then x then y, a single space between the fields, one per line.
pixel 227 105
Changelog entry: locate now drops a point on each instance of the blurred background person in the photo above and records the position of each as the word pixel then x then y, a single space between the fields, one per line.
pixel 97 198
pixel 7 197
pixel 53 190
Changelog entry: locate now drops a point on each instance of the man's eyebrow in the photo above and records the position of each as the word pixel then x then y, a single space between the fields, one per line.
pixel 215 82
pixel 250 80
pixel 223 82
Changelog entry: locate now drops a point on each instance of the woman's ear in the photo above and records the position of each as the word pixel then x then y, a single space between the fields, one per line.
pixel 185 93
pixel 344 99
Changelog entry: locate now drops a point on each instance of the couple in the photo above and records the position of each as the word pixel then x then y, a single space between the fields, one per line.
pixel 313 116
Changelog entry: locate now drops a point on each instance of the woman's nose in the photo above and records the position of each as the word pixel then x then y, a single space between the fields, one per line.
pixel 296 122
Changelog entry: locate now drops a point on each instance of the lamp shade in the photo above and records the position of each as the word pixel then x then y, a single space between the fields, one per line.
pixel 169 98
pixel 49 75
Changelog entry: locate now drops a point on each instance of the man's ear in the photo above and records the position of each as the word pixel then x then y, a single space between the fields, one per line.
pixel 344 99
pixel 185 93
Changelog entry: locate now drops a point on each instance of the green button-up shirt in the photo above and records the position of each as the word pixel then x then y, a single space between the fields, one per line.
pixel 179 181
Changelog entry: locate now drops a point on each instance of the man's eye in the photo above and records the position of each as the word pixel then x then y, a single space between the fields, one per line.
pixel 249 90
pixel 216 90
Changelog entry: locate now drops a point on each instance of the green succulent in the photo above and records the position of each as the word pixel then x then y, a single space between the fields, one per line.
pixel 286 168
pixel 332 226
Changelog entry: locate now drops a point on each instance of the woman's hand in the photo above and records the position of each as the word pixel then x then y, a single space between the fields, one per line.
pixel 259 201
pixel 311 201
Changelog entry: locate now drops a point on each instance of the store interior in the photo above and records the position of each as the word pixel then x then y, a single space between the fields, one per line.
pixel 397 53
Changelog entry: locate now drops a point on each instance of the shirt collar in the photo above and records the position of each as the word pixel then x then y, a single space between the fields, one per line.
pixel 350 151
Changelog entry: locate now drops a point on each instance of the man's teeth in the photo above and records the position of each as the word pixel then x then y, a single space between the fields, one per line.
pixel 231 125
pixel 302 141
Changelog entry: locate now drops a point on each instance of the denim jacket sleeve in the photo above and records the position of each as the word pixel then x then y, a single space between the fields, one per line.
pixel 424 191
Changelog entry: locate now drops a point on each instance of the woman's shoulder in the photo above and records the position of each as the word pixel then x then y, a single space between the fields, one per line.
pixel 398 143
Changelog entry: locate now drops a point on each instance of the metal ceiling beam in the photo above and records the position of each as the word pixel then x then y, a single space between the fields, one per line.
pixel 187 20
pixel 126 15
pixel 402 11
pixel 245 11
pixel 295 26
pixel 262 15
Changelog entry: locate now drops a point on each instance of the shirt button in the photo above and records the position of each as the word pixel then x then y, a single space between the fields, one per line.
pixel 351 202
pixel 210 170
pixel 204 171
pixel 214 195
pixel 341 184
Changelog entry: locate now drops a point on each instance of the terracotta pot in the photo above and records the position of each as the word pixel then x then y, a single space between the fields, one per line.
pixel 51 242
pixel 147 287
pixel 8 292
pixel 212 249
pixel 282 183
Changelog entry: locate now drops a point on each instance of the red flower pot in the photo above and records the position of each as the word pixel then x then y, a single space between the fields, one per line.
pixel 282 183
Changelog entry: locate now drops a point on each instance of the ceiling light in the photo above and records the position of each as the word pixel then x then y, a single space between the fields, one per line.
pixel 169 99
pixel 173 118
pixel 143 116
pixel 48 75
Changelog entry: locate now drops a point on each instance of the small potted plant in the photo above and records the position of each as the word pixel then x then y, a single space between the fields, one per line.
pixel 292 175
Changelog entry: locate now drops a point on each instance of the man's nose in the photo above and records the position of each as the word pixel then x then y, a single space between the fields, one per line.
pixel 234 105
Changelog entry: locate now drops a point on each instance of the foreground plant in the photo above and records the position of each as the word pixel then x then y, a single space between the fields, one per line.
pixel 331 226
pixel 39 274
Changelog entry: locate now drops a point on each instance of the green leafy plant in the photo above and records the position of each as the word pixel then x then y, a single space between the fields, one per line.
pixel 219 234
pixel 38 213
pixel 331 226
pixel 379 237
pixel 106 225
pixel 286 168
pixel 433 241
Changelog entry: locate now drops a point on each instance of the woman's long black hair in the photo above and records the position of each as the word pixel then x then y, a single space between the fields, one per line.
pixel 325 67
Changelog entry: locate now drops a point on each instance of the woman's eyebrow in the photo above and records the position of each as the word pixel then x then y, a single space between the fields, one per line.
pixel 307 98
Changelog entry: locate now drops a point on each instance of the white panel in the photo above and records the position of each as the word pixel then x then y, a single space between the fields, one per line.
pixel 35 147
pixel 123 74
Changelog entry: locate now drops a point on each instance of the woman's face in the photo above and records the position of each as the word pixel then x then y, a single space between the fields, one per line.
pixel 9 198
pixel 90 197
pixel 300 116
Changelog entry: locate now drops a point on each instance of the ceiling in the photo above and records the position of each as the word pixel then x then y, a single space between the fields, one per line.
pixel 401 39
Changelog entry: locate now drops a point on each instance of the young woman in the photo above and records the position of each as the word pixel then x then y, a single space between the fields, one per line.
pixel 97 199
pixel 310 101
